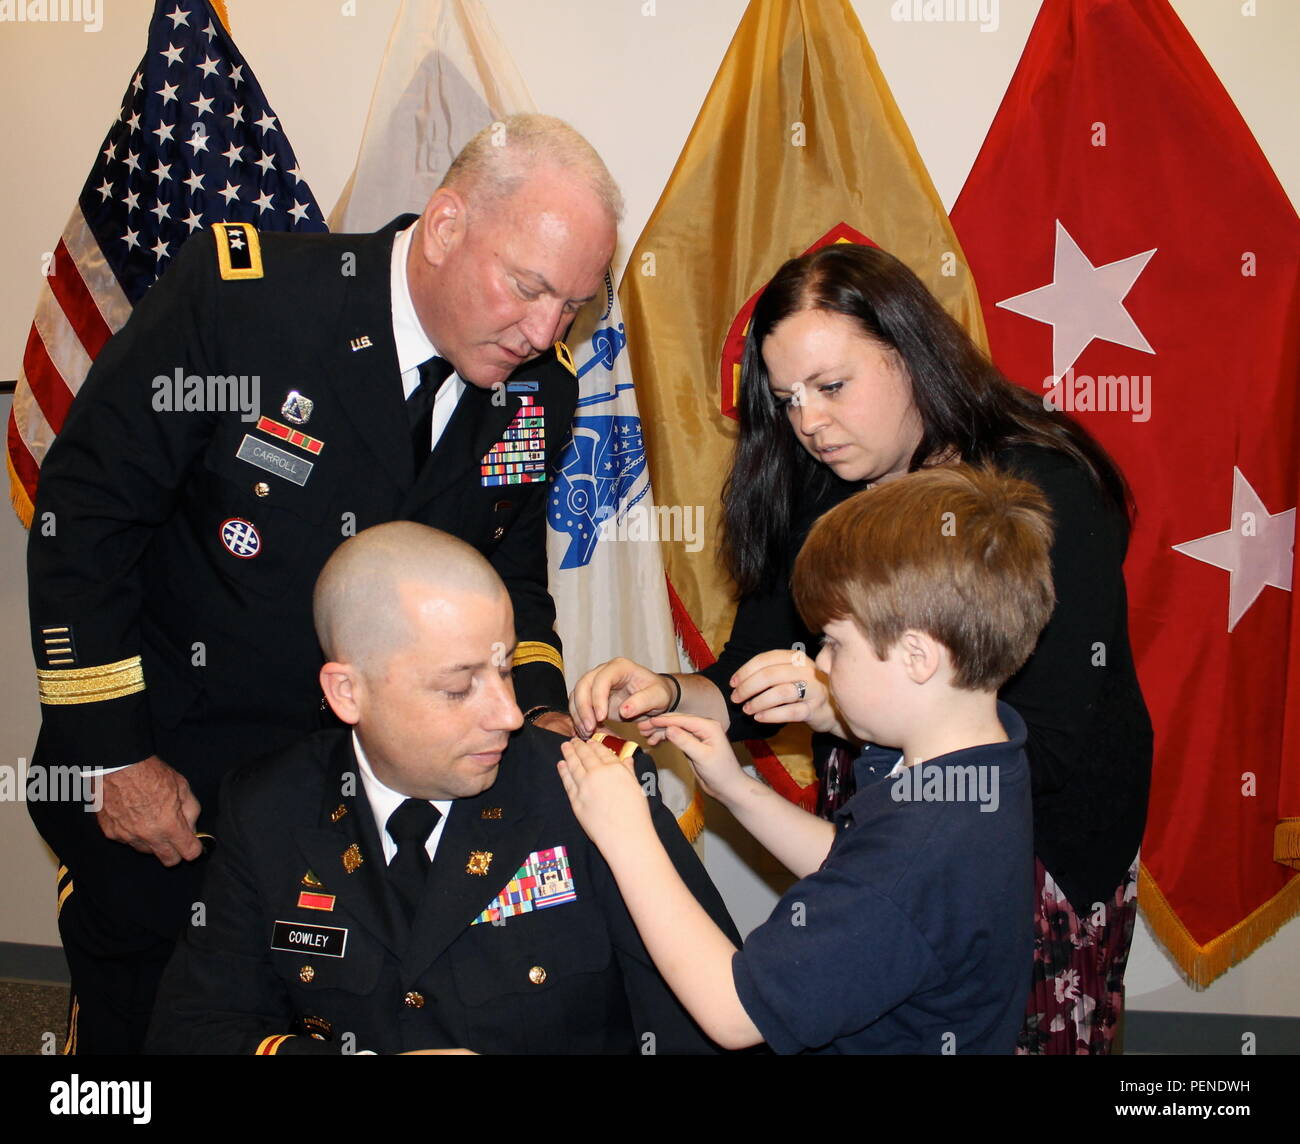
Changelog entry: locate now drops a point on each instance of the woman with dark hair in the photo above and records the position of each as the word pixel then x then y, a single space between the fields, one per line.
pixel 853 374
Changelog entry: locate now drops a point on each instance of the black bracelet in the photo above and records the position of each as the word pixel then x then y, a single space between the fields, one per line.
pixel 534 713
pixel 677 683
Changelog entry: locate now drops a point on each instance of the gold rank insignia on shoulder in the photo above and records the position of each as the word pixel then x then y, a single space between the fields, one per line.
pixel 480 861
pixel 565 358
pixel 352 858
pixel 338 812
pixel 239 250
pixel 491 812
pixel 312 882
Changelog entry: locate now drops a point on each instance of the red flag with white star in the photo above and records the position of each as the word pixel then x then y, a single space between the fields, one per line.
pixel 1138 264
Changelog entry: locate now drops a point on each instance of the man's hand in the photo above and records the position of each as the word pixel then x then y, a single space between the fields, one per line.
pixel 704 743
pixel 604 792
pixel 151 808
pixel 619 690
pixel 767 687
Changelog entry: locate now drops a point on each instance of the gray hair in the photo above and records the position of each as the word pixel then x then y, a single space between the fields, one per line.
pixel 495 163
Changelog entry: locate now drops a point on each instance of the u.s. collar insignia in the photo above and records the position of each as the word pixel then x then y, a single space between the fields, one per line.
pixel 479 862
pixel 297 408
pixel 352 858
pixel 338 812
pixel 565 358
pixel 312 882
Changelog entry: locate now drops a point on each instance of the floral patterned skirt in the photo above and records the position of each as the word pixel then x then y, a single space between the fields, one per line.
pixel 1078 987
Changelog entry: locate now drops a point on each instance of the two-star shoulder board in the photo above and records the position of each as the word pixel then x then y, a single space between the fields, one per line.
pixel 239 250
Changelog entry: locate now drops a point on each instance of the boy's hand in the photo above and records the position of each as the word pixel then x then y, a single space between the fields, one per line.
pixel 767 688
pixel 604 792
pixel 704 742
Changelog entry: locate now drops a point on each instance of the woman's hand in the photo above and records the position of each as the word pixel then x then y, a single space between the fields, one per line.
pixel 704 742
pixel 622 691
pixel 604 792
pixel 767 688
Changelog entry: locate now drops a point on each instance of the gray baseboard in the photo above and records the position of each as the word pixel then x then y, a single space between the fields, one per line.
pixel 1145 1031
pixel 1208 1034
pixel 44 964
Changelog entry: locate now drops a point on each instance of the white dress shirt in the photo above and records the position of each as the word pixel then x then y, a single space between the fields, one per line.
pixel 413 345
pixel 384 800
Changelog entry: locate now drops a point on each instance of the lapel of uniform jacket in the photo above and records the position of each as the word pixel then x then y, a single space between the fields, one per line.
pixel 361 358
pixel 480 421
pixel 486 839
pixel 346 832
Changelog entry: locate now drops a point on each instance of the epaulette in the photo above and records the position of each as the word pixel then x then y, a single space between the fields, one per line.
pixel 565 358
pixel 239 250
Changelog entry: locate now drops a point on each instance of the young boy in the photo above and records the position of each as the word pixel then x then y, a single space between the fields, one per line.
pixel 910 928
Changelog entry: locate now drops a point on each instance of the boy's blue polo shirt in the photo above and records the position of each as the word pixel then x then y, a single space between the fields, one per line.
pixel 916 935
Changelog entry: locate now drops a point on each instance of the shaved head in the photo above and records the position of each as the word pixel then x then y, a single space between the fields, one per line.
pixel 369 592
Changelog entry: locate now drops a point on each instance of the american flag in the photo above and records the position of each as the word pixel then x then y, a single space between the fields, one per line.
pixel 195 143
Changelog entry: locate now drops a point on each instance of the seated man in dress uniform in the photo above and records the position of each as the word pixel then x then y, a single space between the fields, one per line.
pixel 418 881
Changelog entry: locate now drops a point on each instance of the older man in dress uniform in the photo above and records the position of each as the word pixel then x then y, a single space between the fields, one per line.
pixel 271 396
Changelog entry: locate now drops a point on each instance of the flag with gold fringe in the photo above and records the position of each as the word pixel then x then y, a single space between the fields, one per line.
pixel 1139 264
pixel 798 143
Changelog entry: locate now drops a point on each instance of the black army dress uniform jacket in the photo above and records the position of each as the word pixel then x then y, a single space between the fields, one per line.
pixel 173 552
pixel 302 934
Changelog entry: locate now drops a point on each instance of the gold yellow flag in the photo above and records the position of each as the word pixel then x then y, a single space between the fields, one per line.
pixel 799 143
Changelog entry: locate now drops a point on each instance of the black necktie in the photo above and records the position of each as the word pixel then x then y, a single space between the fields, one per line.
pixel 410 826
pixel 419 406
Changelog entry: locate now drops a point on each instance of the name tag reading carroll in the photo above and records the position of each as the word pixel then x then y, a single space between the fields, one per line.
pixel 266 456
pixel 297 937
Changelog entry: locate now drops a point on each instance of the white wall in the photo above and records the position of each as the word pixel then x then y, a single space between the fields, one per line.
pixel 633 84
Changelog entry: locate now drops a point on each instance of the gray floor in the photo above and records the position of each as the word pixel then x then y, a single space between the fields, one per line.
pixel 33 1017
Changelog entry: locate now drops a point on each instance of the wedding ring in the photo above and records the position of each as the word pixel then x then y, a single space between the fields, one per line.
pixel 802 688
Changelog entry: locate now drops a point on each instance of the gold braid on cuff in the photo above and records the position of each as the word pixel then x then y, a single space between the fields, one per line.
pixel 90 684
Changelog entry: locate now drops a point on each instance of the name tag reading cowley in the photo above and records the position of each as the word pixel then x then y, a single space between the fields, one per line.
pixel 299 937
